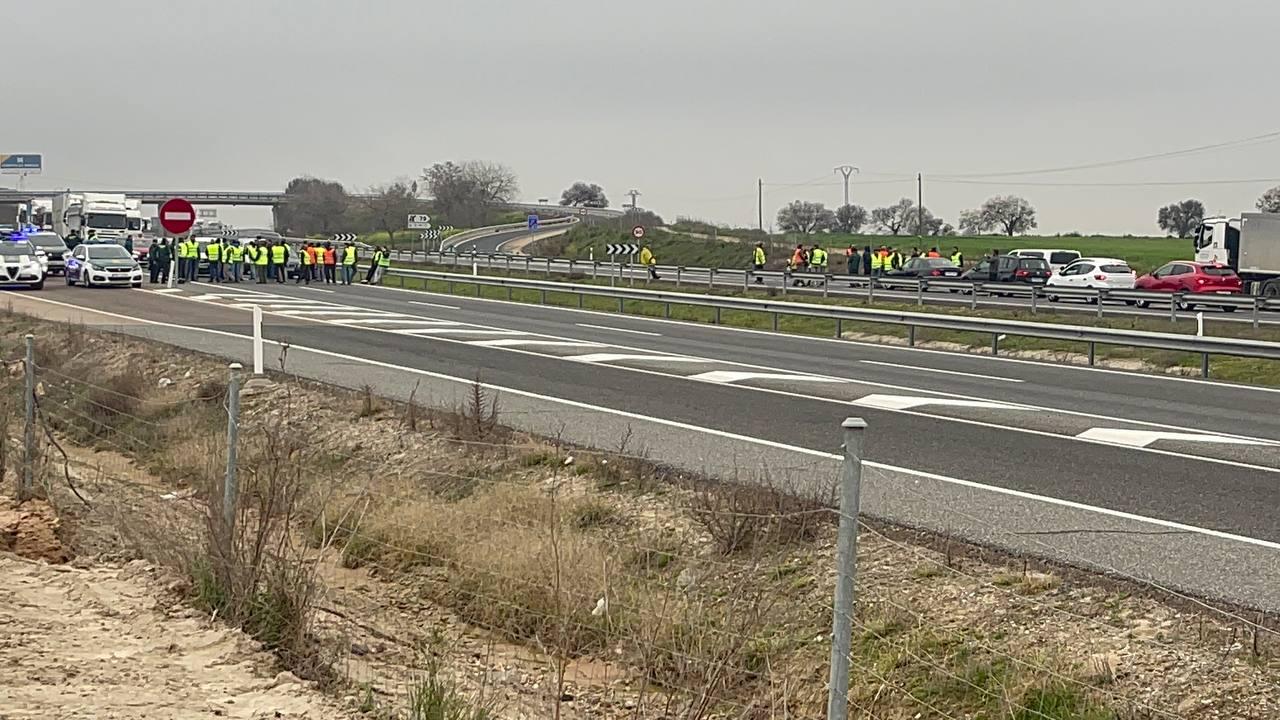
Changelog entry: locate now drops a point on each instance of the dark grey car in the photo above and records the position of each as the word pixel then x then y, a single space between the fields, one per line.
pixel 54 250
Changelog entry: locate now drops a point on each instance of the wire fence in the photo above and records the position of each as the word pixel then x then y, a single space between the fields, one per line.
pixel 424 563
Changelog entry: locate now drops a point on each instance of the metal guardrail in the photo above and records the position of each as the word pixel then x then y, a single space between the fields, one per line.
pixel 865 286
pixel 996 328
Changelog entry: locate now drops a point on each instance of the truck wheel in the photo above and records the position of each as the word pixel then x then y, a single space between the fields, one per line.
pixel 1271 289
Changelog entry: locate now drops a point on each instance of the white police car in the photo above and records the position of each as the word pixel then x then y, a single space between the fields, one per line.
pixel 19 265
pixel 93 265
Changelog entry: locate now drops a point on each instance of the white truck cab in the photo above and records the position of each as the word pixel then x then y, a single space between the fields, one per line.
pixel 1249 244
pixel 105 214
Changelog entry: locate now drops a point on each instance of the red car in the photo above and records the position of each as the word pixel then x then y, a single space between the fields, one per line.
pixel 1188 278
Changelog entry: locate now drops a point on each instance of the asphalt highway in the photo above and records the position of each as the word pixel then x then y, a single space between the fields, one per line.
pixel 840 286
pixel 1168 480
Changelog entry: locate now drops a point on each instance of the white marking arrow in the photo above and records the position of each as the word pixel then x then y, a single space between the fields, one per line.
pixel 1143 438
pixel 906 402
pixel 614 357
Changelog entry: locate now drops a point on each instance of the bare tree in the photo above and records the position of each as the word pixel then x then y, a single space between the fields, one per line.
pixel 1270 200
pixel 850 218
pixel 1010 214
pixel 894 218
pixel 931 225
pixel 463 192
pixel 582 194
pixel 312 206
pixel 389 208
pixel 1181 218
pixel 802 216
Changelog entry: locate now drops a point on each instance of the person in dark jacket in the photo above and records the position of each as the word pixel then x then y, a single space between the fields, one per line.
pixel 158 261
pixel 866 260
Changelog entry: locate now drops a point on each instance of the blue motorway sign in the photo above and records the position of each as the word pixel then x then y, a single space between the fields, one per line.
pixel 533 222
pixel 20 163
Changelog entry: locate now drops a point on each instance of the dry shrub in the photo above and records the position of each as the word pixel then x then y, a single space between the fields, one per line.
pixel 741 518
pixel 477 417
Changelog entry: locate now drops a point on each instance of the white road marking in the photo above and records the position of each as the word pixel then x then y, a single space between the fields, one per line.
pixel 621 330
pixel 943 372
pixel 1143 438
pixel 434 305
pixel 359 312
pixel 452 331
pixel 546 343
pixel 730 376
pixel 163 291
pixel 320 290
pixel 614 357
pixel 1157 522
pixel 394 320
pixel 906 402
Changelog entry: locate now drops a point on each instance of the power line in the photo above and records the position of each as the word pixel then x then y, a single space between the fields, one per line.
pixel 1265 137
pixel 1146 183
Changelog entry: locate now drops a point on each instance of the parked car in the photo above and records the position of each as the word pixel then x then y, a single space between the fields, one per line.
pixel 1184 278
pixel 1009 269
pixel 103 264
pixel 1057 259
pixel 54 251
pixel 19 265
pixel 926 267
pixel 1095 274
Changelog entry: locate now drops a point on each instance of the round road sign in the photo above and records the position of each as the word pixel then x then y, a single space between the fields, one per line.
pixel 637 232
pixel 177 216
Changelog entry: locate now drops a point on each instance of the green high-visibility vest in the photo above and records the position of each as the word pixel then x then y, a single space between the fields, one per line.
pixel 260 256
pixel 384 259
pixel 957 258
pixel 213 251
pixel 349 255
pixel 877 261
pixel 236 252
pixel 277 254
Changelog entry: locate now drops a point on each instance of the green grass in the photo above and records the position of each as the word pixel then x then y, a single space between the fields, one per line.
pixel 1232 369
pixel 673 248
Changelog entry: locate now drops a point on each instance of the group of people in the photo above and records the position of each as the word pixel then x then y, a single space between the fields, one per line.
pixel 864 261
pixel 262 260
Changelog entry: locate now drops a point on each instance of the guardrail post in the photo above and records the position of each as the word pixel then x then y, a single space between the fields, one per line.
pixel 786 280
pixel 508 266
pixel 1102 295
pixel 595 269
pixel 477 289
pixel 666 310
pixel 911 336
pixel 775 322
pixel 631 276
pixel 920 285
pixel 717 318
pixel 1173 309
pixel 548 267
pixel 973 296
pixel 995 344
pixel 450 284
pixel 1093 353
pixel 711 278
pixel 1204 365
pixel 1257 302
pixel 746 278
pixel 839 327
pixel 526 265
pixel 679 271
pixel 581 297
pixel 508 293
pixel 871 291
pixel 620 306
pixel 544 297
pixel 826 283
pixel 1035 293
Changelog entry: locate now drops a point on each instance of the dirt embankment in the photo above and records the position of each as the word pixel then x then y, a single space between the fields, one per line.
pixel 520 575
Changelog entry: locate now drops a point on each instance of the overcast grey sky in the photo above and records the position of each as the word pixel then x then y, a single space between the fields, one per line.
pixel 688 101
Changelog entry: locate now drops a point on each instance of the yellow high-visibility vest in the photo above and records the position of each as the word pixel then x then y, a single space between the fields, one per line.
pixel 277 254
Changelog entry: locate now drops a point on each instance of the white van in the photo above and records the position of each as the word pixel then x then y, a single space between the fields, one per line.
pixel 1057 259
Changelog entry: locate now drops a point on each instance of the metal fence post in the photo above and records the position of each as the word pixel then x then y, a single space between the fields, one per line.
pixel 995 344
pixel 1034 295
pixel 846 571
pixel 548 267
pixel 826 282
pixel 745 279
pixel 711 278
pixel 1102 295
pixel 973 296
pixel 920 284
pixel 911 336
pixel 1204 365
pixel 230 486
pixel 775 322
pixel 1257 301
pixel 839 327
pixel 29 427
pixel 1173 309
pixel 679 271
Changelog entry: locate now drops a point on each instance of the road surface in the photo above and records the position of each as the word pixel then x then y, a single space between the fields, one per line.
pixel 1167 480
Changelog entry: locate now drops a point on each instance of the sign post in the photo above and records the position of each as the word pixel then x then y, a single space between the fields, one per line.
pixel 177 217
pixel 22 165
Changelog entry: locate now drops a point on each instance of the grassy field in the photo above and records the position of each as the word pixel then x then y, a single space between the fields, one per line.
pixel 1243 370
pixel 1144 254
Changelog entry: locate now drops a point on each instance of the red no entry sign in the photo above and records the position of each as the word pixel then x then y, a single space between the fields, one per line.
pixel 177 216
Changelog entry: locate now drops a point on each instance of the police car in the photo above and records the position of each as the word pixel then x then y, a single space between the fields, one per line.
pixel 103 264
pixel 19 264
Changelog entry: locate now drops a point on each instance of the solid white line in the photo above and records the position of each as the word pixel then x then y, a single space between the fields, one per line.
pixel 730 376
pixel 614 357
pixel 163 291
pixel 944 372
pixel 621 330
pixel 448 331
pixel 320 290
pixel 435 305
pixel 546 343
pixel 710 431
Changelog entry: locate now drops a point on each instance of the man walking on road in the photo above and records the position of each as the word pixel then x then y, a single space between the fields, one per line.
pixel 373 265
pixel 649 262
pixel 758 260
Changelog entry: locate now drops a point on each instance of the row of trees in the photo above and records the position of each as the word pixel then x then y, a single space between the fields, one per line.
pixel 1009 215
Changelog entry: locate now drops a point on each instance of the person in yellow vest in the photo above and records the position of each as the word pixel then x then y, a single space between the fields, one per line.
pixel 649 262
pixel 308 259
pixel 758 260
pixel 214 258
pixel 262 260
pixel 877 261
pixel 235 258
pixel 249 252
pixel 349 260
pixel 384 264
pixel 280 260
pixel 957 257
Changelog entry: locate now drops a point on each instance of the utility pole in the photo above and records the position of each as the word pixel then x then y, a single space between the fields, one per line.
pixel 846 171
pixel 760 201
pixel 631 208
pixel 920 204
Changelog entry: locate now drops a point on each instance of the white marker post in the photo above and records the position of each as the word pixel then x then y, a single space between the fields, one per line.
pixel 1200 324
pixel 257 341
